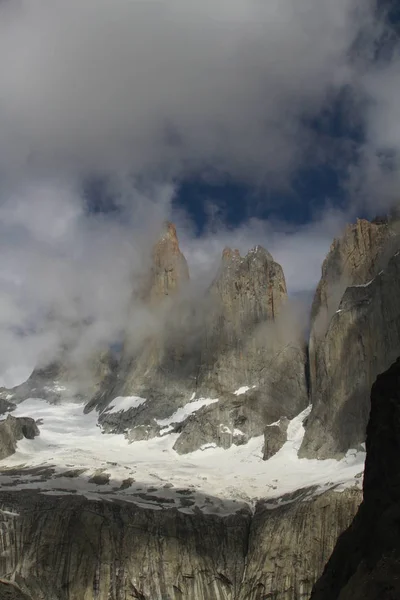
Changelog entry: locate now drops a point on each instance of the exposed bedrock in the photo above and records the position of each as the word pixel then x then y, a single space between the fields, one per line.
pixel 365 564
pixel 289 545
pixel 237 334
pixel 355 335
pixel 13 429
pixel 275 435
pixel 70 548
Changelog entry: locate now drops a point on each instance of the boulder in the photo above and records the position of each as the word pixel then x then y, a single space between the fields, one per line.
pixel 275 436
pixel 13 429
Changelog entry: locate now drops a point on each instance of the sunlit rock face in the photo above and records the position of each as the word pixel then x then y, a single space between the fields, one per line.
pixel 354 335
pixel 366 561
pixel 353 259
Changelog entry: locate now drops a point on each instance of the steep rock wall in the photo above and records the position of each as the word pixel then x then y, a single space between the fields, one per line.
pixel 70 548
pixel 365 564
pixel 352 337
pixel 237 335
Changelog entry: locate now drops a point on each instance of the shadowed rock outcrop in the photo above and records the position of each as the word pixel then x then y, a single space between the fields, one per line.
pixel 10 591
pixel 13 429
pixel 365 564
pixel 6 406
pixel 69 548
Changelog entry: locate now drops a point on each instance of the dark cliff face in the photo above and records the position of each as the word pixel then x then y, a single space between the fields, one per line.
pixel 365 564
pixel 354 336
pixel 70 548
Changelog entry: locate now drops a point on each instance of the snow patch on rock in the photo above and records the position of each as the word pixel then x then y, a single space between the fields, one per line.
pixel 124 403
pixel 185 411
pixel 243 390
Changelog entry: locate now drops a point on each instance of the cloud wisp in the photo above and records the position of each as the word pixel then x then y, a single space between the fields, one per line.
pixel 170 85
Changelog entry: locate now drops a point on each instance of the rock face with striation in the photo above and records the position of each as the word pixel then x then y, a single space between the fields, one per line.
pixel 70 548
pixel 169 269
pixel 365 564
pixel 290 544
pixel 247 296
pixel 353 259
pixel 354 336
pixel 13 429
pixel 248 346
pixel 10 591
pixel 236 336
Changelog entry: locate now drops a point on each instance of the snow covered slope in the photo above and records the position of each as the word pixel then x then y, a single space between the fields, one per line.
pixel 73 455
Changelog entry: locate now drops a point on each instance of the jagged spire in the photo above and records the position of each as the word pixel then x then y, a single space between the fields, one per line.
pixel 169 269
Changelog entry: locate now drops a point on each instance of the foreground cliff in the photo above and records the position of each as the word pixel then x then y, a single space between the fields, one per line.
pixel 365 564
pixel 70 548
pixel 85 514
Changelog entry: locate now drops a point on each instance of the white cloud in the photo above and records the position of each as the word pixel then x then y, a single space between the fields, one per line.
pixel 169 85
pixel 67 275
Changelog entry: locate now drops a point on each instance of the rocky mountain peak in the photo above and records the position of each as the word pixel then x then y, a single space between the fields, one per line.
pixel 259 252
pixel 228 254
pixel 353 259
pixel 169 235
pixel 169 267
pixel 253 284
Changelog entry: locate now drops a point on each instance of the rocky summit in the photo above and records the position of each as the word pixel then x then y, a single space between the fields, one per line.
pixel 220 454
